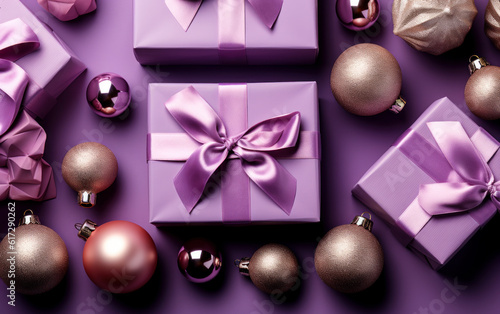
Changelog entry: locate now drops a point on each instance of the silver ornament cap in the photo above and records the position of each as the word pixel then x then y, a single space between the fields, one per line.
pixel 29 218
pixel 476 63
pixel 85 229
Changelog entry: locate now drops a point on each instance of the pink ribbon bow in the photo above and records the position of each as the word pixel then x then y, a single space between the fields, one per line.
pixel 185 11
pixel 475 179
pixel 203 124
pixel 16 40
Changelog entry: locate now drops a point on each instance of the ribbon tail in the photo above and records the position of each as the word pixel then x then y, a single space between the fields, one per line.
pixel 13 82
pixel 191 180
pixel 267 10
pixel 450 197
pixel 270 177
pixel 184 11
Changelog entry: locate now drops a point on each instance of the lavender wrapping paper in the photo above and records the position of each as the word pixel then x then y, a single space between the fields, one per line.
pixel 159 39
pixel 265 100
pixel 51 68
pixel 393 182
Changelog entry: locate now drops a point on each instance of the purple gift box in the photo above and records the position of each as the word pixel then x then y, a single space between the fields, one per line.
pixel 225 32
pixel 435 186
pixel 267 106
pixel 51 68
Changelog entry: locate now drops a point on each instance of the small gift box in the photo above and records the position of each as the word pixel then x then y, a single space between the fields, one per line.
pixel 48 62
pixel 233 153
pixel 225 31
pixel 437 185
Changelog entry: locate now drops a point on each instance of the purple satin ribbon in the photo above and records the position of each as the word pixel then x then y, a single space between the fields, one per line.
pixel 229 147
pixel 464 179
pixel 231 19
pixel 16 40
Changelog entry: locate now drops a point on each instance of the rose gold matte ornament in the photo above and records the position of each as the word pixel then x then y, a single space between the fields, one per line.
pixel 273 268
pixel 366 80
pixel 349 258
pixel 89 168
pixel 36 256
pixel 492 22
pixel 119 256
pixel 482 91
pixel 433 26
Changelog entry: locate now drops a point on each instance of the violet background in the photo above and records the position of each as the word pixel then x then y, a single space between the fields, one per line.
pixel 351 144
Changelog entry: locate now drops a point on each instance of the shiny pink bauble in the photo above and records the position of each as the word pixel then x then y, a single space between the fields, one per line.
pixel 366 79
pixel 199 260
pixel 358 15
pixel 108 95
pixel 119 256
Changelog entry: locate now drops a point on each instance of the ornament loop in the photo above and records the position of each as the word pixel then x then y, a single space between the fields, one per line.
pixel 476 63
pixel 29 218
pixel 364 222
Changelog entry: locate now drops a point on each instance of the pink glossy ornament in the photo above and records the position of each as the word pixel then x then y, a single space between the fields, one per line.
pixel 492 22
pixel 39 254
pixel 433 26
pixel 119 256
pixel 199 260
pixel 273 268
pixel 482 91
pixel 108 95
pixel 89 168
pixel 357 15
pixel 349 258
pixel 366 80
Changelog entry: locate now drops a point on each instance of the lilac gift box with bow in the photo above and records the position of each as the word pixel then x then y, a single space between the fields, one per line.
pixel 225 31
pixel 233 153
pixel 437 185
pixel 51 68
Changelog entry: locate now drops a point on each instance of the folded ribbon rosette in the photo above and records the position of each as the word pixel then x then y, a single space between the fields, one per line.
pixel 24 175
pixel 219 149
pixel 66 10
pixel 437 185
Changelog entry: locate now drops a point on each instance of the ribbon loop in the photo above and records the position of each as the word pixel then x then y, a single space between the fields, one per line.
pixel 476 179
pixel 203 124
pixel 16 40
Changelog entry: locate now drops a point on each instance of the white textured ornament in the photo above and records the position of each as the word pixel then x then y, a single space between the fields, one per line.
pixel 492 22
pixel 433 26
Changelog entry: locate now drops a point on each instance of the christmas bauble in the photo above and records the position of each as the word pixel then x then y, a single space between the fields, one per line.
pixel 349 258
pixel 108 95
pixel 89 168
pixel 357 15
pixel 33 258
pixel 492 22
pixel 366 80
pixel 433 26
pixel 199 260
pixel 273 268
pixel 119 256
pixel 482 91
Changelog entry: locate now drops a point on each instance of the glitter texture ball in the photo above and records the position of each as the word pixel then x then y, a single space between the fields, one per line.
pixel 433 26
pixel 273 268
pixel 89 168
pixel 366 79
pixel 492 22
pixel 349 259
pixel 482 93
pixel 41 261
pixel 108 95
pixel 199 260
pixel 357 15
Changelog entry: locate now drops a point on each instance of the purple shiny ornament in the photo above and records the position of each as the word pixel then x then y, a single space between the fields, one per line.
pixel 199 260
pixel 358 15
pixel 108 95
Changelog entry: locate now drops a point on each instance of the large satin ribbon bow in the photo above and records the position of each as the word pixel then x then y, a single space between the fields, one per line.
pixel 16 40
pixel 475 178
pixel 185 11
pixel 203 124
